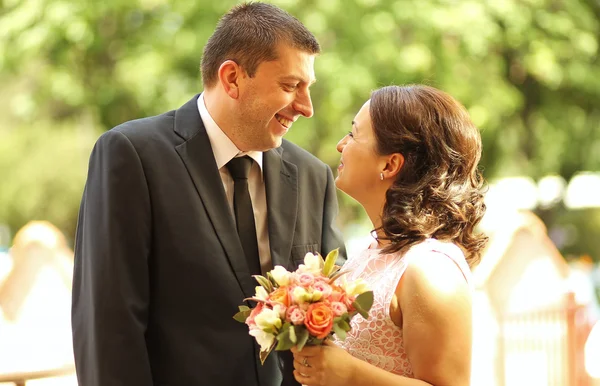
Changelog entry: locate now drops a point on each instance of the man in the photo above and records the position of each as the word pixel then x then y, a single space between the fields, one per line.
pixel 162 254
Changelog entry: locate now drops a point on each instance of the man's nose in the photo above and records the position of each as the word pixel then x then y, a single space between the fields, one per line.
pixel 303 104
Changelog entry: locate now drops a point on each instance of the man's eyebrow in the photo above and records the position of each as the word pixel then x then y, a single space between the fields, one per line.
pixel 297 78
pixel 355 125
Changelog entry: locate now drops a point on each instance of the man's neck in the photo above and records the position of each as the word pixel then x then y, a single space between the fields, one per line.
pixel 220 110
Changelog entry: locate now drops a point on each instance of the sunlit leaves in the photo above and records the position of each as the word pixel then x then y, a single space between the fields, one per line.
pixel 528 71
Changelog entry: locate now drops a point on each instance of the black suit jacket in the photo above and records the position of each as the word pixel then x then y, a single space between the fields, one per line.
pixel 159 269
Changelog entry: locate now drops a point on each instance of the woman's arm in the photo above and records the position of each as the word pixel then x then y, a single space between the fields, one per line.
pixel 435 300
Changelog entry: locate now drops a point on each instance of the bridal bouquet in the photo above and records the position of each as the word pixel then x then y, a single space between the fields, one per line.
pixel 304 307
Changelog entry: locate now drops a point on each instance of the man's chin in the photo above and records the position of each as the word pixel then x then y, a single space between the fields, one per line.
pixel 276 142
pixel 272 144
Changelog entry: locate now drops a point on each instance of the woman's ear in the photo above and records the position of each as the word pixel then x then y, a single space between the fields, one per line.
pixel 393 165
pixel 229 76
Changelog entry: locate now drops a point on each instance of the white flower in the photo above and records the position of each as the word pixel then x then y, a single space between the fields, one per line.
pixel 261 293
pixel 267 319
pixel 280 310
pixel 299 295
pixel 316 295
pixel 356 287
pixel 264 339
pixel 281 275
pixel 312 263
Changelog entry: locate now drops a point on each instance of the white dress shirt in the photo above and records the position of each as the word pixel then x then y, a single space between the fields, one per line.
pixel 224 151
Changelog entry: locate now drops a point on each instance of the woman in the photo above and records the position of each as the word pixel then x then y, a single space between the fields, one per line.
pixel 411 160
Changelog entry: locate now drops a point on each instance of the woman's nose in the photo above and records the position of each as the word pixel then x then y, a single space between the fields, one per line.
pixel 341 144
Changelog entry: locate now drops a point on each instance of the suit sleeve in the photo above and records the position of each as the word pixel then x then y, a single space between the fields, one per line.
pixel 331 237
pixel 111 279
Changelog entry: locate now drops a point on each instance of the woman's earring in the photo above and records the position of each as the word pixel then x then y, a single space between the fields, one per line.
pixel 381 176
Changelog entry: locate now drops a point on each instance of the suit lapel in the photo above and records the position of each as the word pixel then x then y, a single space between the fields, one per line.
pixel 281 183
pixel 197 155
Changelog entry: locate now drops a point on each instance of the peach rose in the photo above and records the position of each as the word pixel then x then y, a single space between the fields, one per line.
pixel 337 295
pixel 322 287
pixel 305 279
pixel 255 311
pixel 281 295
pixel 338 308
pixel 319 320
pixel 295 315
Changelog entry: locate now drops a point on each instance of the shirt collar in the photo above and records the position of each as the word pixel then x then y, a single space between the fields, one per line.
pixel 223 148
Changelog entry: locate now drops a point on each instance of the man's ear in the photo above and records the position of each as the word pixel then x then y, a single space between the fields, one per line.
pixel 393 165
pixel 230 74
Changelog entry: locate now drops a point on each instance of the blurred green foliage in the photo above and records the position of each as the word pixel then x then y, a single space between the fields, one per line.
pixel 527 70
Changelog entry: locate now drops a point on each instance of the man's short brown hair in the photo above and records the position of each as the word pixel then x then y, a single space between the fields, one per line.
pixel 249 34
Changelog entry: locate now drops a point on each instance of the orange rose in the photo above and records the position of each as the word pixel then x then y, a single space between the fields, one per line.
pixel 281 295
pixel 319 320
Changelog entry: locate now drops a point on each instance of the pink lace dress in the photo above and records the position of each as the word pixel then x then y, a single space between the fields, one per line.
pixel 378 340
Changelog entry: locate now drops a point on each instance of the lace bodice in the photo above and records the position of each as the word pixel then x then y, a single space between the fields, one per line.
pixel 378 340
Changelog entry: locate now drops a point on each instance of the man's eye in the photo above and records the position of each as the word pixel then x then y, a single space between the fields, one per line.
pixel 291 87
pixel 350 134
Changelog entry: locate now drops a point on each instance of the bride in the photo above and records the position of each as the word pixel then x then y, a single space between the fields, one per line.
pixel 411 160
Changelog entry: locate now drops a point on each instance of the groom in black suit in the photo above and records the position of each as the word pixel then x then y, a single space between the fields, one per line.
pixel 180 209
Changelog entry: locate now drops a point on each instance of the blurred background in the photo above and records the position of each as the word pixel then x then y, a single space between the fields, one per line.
pixel 528 71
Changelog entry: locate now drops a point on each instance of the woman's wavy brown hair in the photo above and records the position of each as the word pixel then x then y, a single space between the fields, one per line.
pixel 438 191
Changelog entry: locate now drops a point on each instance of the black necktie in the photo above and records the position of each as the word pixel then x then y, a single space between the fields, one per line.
pixel 239 168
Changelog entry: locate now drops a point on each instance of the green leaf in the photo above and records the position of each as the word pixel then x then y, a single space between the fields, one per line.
pixel 284 339
pixel 335 269
pixel 344 325
pixel 272 280
pixel 302 335
pixel 330 262
pixel 340 333
pixel 347 316
pixel 286 326
pixel 242 315
pixel 284 343
pixel 365 300
pixel 265 354
pixel 363 313
pixel 363 303
pixel 293 336
pixel 336 275
pixel 244 308
pixel 263 281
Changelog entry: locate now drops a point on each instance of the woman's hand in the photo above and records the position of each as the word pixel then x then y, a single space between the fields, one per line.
pixel 326 365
